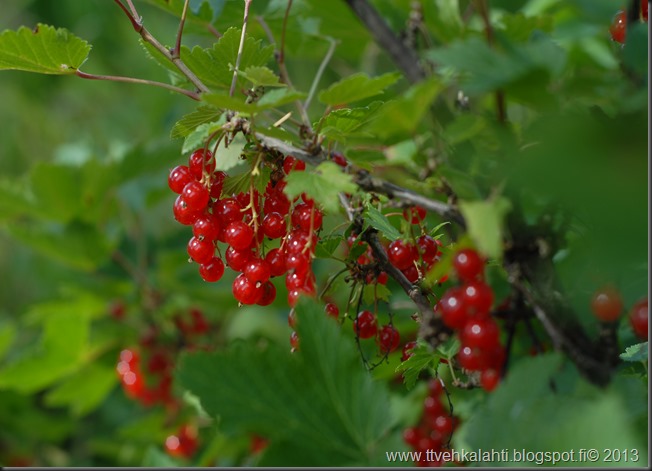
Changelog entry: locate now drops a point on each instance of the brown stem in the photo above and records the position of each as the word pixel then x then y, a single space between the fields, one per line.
pixel 176 53
pixel 404 57
pixel 243 36
pixel 117 78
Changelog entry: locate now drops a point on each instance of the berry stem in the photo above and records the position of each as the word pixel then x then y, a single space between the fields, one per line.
pixel 119 78
pixel 320 71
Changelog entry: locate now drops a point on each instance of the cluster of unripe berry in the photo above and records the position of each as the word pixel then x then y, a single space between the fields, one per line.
pixel 242 222
pixel 145 373
pixel 618 27
pixel 466 309
pixel 434 430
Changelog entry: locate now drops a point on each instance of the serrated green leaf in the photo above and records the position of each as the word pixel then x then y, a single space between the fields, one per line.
pixel 261 77
pixel 323 184
pixel 44 50
pixel 160 59
pixel 342 123
pixel 330 408
pixel 197 138
pixel 202 115
pixel 422 357
pixel 234 184
pixel 449 348
pixel 638 352
pixel 228 157
pixel 378 221
pixel 214 66
pixel 484 221
pixel 463 128
pixel 357 87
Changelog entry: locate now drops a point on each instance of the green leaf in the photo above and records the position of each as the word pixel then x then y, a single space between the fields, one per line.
pixel 636 352
pixel 324 184
pixel 44 50
pixel 463 128
pixel 276 98
pixel 484 221
pixel 449 348
pixel 15 199
pixel 197 138
pixel 375 292
pixel 228 157
pixel 261 77
pixel 422 357
pixel 60 352
pixel 84 390
pixel 342 123
pixel 327 246
pixel 57 190
pixel 214 66
pixel 332 412
pixel 378 221
pixel 7 336
pixel 271 99
pixel 402 116
pixel 202 115
pixel 357 87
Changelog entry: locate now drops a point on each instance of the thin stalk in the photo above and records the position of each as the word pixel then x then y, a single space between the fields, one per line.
pixel 320 72
pixel 241 46
pixel 176 53
pixel 118 78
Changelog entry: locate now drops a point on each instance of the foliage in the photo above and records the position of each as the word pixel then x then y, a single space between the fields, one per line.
pixel 524 140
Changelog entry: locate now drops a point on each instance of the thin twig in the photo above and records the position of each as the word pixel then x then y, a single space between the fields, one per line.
pixel 117 78
pixel 137 24
pixel 404 57
pixel 177 47
pixel 281 58
pixel 243 36
pixel 320 72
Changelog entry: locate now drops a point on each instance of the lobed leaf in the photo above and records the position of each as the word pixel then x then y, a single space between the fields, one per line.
pixel 44 50
pixel 357 87
pixel 186 125
pixel 324 185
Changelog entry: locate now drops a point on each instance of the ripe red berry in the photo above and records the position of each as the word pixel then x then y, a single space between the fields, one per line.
pixel 182 444
pixel 296 241
pixel 407 350
pixel 412 435
pixel 453 310
pixel 195 195
pixel 179 177
pixel 432 406
pixel 207 226
pixel 401 254
pixel 291 164
pixel 201 251
pixel 644 11
pixel 276 260
pixel 237 259
pixel 443 424
pixel 618 27
pixel 388 339
pixel 269 294
pixel 478 297
pixel 468 264
pixel 257 270
pixel 638 319
pixel 200 161
pixel 184 213
pixel 228 210
pixel 307 217
pixel 414 214
pixel 365 325
pixel 245 291
pixel 489 380
pixel 471 358
pixel 217 183
pixel 213 270
pixel 274 225
pixel 606 304
pixel 292 319
pixel 238 235
pixel 428 248
pixel 332 310
pixel 339 159
pixel 480 333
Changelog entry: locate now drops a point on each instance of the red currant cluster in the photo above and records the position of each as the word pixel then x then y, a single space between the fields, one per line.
pixel 145 372
pixel 466 309
pixel 435 428
pixel 618 27
pixel 242 221
pixel 183 443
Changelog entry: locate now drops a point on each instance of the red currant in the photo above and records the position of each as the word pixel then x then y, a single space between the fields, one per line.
pixel 276 261
pixel 414 214
pixel 238 235
pixel 207 226
pixel 195 195
pixel 618 27
pixel 401 254
pixel 291 164
pixel 274 225
pixel 269 294
pixel 428 248
pixel 644 11
pixel 478 297
pixel 245 291
pixel 228 210
pixel 453 310
pixel 201 251
pixel 257 270
pixel 184 443
pixel 606 304
pixel 184 213
pixel 179 177
pixel 480 333
pixel 213 270
pixel 388 339
pixel 638 319
pixel 294 340
pixel 407 350
pixel 339 159
pixel 365 325
pixel 237 259
pixel 200 161
pixel 217 183
pixel 332 310
pixel 468 264
pixel 489 380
